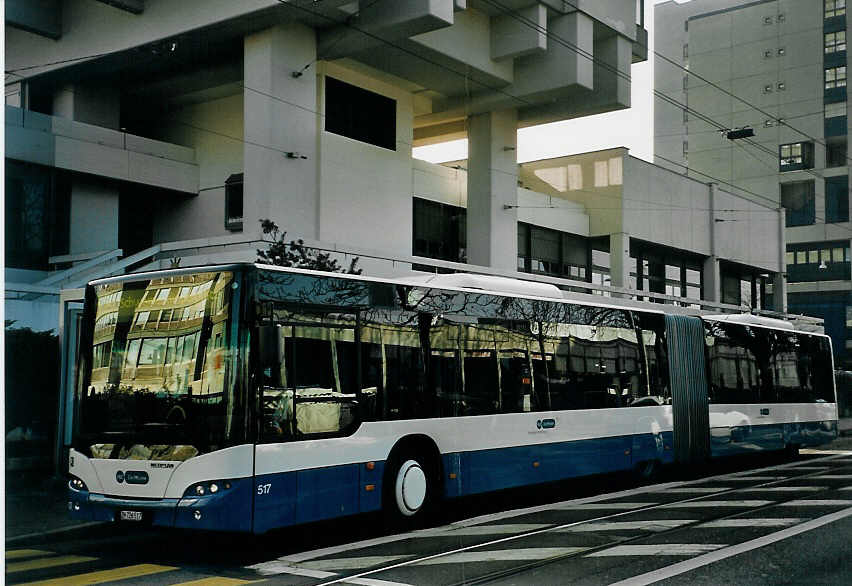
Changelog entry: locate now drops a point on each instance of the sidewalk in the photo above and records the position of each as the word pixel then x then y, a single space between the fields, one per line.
pixel 36 505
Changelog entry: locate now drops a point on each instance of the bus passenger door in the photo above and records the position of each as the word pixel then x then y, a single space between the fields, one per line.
pixel 309 397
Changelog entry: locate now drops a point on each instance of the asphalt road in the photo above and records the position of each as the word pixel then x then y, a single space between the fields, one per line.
pixel 748 521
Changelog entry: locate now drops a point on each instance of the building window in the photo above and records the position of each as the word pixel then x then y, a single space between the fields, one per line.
pixel 835 152
pixel 660 270
pixel 835 77
pixel 37 208
pixel 360 114
pixel 835 42
pixel 234 202
pixel 835 8
pixel 835 109
pixel 818 261
pixel 796 156
pixel 550 252
pixel 742 285
pixel 440 230
pixel 837 199
pixel 798 199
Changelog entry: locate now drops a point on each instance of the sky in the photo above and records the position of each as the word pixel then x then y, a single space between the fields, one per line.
pixel 632 128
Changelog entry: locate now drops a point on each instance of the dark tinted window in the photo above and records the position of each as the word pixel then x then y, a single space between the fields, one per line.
pixel 761 365
pixel 360 114
pixel 656 367
pixel 733 353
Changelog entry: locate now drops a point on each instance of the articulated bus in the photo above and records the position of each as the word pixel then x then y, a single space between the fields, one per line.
pixel 249 397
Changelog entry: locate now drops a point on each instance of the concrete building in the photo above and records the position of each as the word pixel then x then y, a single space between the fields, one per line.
pixel 143 133
pixel 132 125
pixel 777 68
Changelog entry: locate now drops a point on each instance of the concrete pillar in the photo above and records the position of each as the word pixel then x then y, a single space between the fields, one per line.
pixel 97 105
pixel 619 259
pixel 280 117
pixel 492 184
pixel 94 216
pixel 711 277
pixel 779 283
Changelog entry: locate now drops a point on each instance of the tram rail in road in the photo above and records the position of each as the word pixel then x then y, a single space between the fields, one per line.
pixel 686 525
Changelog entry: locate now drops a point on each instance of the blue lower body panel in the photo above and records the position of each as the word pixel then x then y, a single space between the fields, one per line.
pixel 316 494
pixel 746 439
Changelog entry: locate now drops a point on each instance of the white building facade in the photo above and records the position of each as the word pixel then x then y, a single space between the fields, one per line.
pixel 777 68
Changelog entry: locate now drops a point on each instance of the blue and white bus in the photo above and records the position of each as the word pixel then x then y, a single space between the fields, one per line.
pixel 249 397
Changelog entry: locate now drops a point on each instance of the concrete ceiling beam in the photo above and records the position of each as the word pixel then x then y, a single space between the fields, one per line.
pixel 516 35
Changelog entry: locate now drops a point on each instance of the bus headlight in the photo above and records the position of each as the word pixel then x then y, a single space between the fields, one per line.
pixel 208 487
pixel 77 484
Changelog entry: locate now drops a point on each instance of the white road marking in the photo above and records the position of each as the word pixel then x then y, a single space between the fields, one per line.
pixel 602 506
pixel 753 478
pixel 277 568
pixel 705 504
pixel 658 549
pixel 845 488
pixel 740 522
pixel 824 452
pixel 697 489
pixel 817 503
pixel 354 563
pixel 782 488
pixel 373 582
pixel 658 525
pixel 476 530
pixel 502 555
pixel 808 468
pixel 833 476
pixel 274 568
pixel 709 558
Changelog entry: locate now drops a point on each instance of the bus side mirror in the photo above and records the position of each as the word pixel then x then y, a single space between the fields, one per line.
pixel 269 350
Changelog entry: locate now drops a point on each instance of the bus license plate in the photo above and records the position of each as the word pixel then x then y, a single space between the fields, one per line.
pixel 130 515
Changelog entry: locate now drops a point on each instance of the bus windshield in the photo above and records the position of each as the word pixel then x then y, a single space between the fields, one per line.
pixel 157 371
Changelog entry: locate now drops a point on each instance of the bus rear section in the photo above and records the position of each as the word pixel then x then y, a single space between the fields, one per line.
pixel 160 407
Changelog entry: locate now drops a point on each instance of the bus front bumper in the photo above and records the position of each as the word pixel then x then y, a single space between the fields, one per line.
pixel 228 510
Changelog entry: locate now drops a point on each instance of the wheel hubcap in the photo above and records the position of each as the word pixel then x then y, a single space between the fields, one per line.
pixel 410 488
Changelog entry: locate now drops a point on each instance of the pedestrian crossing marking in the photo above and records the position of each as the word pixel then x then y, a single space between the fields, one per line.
pixel 741 522
pixel 603 506
pixel 502 555
pixel 783 488
pixel 658 549
pixel 753 478
pixel 215 581
pixel 354 563
pixel 49 562
pixel 658 525
pixel 696 489
pixel 276 567
pixel 817 503
pixel 106 575
pixel 280 567
pixel 704 504
pixel 477 530
pixel 16 554
pixel 373 582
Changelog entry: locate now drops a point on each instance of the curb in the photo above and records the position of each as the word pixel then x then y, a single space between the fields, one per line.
pixel 50 532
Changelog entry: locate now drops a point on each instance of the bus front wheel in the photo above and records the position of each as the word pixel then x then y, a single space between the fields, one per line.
pixel 409 490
